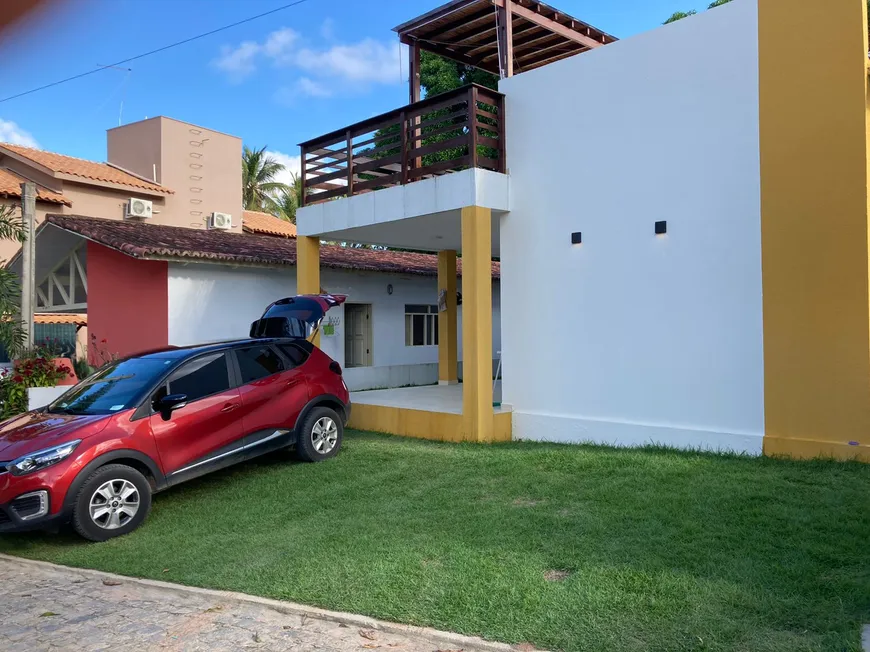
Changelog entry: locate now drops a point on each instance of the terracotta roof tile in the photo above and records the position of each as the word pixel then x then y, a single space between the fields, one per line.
pixel 257 222
pixel 142 240
pixel 79 319
pixel 81 168
pixel 10 186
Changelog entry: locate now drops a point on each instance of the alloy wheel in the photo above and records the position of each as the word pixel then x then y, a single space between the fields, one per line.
pixel 114 504
pixel 324 435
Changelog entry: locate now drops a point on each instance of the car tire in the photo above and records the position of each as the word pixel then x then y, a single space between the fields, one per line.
pixel 112 502
pixel 320 435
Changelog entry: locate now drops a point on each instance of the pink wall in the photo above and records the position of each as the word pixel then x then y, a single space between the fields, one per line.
pixel 128 303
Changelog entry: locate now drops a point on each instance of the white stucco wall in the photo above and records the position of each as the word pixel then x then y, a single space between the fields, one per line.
pixel 215 302
pixel 637 338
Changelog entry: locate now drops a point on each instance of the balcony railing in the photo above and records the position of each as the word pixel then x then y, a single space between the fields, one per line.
pixel 453 131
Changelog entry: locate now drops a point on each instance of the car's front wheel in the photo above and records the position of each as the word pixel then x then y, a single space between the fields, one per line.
pixel 113 501
pixel 320 435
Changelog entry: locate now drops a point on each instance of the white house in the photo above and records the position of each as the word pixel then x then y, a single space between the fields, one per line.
pixel 681 219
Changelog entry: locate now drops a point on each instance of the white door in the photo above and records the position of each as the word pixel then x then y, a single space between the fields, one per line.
pixel 357 335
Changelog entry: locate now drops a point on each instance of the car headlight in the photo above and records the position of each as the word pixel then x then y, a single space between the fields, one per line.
pixel 42 459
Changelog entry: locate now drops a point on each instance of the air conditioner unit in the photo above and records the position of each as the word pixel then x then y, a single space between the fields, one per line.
pixel 220 221
pixel 138 208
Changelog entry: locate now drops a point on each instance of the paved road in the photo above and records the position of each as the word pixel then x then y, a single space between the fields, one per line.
pixel 44 607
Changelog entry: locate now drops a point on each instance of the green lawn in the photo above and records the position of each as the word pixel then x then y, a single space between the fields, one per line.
pixel 658 550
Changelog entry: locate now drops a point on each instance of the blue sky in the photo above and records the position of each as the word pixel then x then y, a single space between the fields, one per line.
pixel 275 81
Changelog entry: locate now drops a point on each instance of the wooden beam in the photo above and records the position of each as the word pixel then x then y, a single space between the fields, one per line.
pixel 505 35
pixel 490 45
pixel 550 24
pixel 462 22
pixel 414 71
pixel 453 56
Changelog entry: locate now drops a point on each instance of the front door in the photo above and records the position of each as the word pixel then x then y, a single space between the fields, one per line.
pixel 357 335
pixel 206 433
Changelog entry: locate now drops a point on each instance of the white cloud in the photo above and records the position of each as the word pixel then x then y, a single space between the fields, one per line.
pixel 279 43
pixel 311 88
pixel 349 66
pixel 12 133
pixel 238 62
pixel 366 61
pixel 292 165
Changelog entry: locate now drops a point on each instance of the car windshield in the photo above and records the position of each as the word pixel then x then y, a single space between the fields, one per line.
pixel 116 387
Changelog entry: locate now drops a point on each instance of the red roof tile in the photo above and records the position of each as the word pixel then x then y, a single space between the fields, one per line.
pixel 79 319
pixel 10 186
pixel 81 168
pixel 142 240
pixel 257 222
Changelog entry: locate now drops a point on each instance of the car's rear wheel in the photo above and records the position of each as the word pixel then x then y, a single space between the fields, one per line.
pixel 320 435
pixel 113 501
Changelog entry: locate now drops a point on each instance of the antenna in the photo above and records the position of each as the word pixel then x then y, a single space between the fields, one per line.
pixel 123 89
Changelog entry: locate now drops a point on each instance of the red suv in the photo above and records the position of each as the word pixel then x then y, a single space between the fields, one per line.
pixel 143 424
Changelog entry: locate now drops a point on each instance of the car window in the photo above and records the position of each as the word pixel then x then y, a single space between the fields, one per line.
pixel 258 362
pixel 201 377
pixel 117 386
pixel 294 353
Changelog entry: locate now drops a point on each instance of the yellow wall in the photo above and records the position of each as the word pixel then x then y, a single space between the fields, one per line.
pixel 440 426
pixel 477 324
pixel 308 269
pixel 448 352
pixel 814 206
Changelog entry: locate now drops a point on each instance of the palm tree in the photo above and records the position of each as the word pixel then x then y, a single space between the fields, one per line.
pixel 259 187
pixel 290 199
pixel 11 326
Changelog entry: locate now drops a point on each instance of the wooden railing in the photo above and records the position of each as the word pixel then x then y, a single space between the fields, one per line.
pixel 453 131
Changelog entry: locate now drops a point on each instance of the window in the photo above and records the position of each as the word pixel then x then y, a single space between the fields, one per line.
pixel 421 325
pixel 258 362
pixel 117 386
pixel 201 377
pixel 294 353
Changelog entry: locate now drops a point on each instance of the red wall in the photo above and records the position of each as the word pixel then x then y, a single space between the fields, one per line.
pixel 128 303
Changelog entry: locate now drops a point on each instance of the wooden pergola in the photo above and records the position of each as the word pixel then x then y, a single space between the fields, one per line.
pixel 500 36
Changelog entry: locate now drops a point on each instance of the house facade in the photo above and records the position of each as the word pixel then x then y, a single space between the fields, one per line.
pixel 681 220
pixel 172 279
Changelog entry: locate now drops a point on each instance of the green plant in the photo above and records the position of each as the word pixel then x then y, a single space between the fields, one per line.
pixel 82 368
pixel 38 368
pixel 11 326
pixel 35 368
pixel 13 397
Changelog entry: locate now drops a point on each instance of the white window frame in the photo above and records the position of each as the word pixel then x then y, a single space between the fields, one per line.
pixel 430 324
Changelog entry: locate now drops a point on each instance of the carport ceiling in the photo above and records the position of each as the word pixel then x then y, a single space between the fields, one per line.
pixel 432 232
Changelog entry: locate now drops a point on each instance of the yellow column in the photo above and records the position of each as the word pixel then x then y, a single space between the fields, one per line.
pixel 477 413
pixel 308 269
pixel 814 227
pixel 447 342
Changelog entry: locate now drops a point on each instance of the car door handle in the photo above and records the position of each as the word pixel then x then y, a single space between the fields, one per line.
pixel 294 381
pixel 229 407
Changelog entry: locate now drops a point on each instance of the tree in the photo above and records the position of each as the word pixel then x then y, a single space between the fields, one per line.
pixel 11 327
pixel 679 15
pixel 259 187
pixel 290 199
pixel 439 75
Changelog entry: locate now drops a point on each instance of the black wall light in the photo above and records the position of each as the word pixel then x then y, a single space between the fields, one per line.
pixel 661 227
pixel 576 238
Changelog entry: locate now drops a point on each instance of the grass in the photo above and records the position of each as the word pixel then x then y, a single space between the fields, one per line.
pixel 565 547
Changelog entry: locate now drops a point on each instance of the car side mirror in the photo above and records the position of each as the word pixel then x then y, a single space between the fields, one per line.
pixel 254 328
pixel 169 403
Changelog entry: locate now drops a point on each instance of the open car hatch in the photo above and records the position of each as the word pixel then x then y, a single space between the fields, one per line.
pixel 295 317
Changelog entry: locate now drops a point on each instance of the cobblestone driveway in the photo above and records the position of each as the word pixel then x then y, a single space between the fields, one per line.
pixel 44 607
